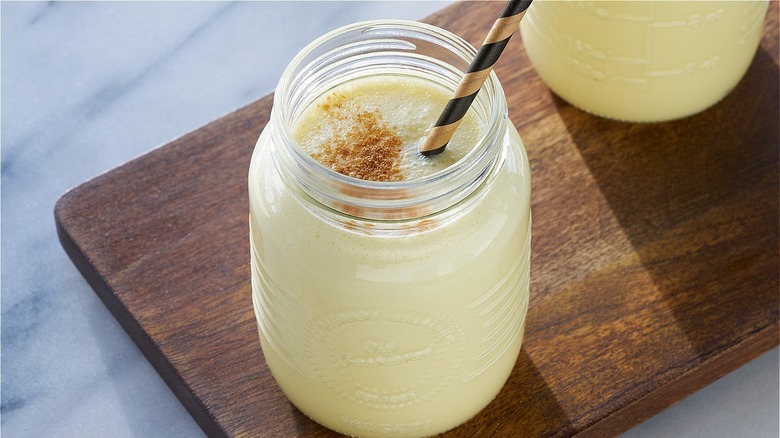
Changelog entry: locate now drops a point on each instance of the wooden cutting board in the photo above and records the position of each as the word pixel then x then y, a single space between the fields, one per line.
pixel 654 266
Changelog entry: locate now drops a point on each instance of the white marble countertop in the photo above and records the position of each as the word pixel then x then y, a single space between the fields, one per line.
pixel 86 87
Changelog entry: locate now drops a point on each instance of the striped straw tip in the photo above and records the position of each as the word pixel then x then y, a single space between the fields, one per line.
pixel 437 151
pixel 470 84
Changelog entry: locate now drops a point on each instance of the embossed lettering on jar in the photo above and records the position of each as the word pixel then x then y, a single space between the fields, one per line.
pixel 390 308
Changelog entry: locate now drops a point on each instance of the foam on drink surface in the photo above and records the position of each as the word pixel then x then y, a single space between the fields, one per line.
pixel 372 128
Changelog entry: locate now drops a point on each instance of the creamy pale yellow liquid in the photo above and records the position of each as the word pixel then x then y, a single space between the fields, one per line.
pixel 407 106
pixel 642 60
pixel 402 335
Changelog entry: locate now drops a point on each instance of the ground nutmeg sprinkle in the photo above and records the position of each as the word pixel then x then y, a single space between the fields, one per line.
pixel 363 146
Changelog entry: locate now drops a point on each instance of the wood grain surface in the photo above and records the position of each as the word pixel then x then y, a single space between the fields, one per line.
pixel 654 265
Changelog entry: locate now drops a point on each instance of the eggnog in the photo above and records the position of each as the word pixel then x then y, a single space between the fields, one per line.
pixel 390 288
pixel 388 116
pixel 642 60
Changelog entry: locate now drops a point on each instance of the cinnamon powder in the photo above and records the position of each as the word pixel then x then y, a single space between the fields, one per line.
pixel 368 150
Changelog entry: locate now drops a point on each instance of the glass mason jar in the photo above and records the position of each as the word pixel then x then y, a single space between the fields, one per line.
pixel 389 308
pixel 640 60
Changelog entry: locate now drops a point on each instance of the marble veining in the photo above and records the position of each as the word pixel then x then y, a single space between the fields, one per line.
pixel 87 86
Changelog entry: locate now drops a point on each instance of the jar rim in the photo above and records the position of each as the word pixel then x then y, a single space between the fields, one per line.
pixel 398 37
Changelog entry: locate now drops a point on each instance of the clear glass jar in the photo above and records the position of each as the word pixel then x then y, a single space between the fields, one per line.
pixel 640 60
pixel 389 308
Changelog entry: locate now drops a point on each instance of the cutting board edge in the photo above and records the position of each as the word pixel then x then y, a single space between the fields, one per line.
pixel 709 371
pixel 130 325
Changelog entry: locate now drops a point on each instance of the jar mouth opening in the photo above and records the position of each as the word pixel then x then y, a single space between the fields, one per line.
pixel 381 47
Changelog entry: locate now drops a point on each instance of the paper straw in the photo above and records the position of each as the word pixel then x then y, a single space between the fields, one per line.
pixel 472 81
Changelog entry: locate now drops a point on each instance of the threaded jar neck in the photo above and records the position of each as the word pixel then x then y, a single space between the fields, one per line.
pixel 384 47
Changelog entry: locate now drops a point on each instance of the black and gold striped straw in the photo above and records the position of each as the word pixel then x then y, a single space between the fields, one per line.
pixel 472 81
